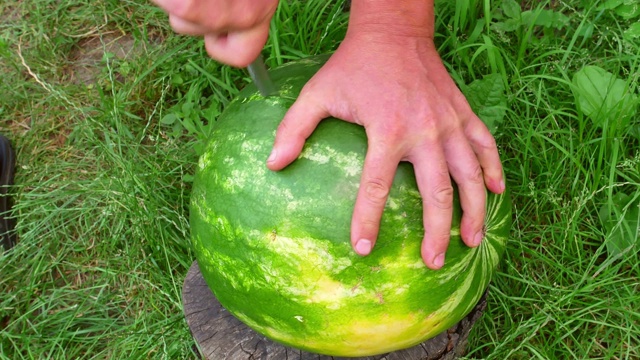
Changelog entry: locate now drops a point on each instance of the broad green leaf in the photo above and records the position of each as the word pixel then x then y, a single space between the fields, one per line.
pixel 190 124
pixel 633 32
pixel 545 18
pixel 634 130
pixel 108 56
pixel 487 99
pixel 176 80
pixel 188 178
pixel 176 130
pixel 211 113
pixel 621 221
pixel 628 11
pixel 507 25
pixel 610 5
pixel 602 97
pixel 511 8
pixel 169 119
pixel 187 108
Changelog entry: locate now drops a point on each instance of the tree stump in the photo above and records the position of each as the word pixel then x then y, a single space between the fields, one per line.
pixel 220 336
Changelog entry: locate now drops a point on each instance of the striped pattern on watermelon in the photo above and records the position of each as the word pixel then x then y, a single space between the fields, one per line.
pixel 274 246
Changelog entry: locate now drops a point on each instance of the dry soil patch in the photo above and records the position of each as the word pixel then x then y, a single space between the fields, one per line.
pixel 88 56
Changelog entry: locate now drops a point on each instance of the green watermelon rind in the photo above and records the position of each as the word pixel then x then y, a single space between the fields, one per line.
pixel 274 246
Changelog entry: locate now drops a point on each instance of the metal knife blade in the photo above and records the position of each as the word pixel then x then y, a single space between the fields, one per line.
pixel 260 76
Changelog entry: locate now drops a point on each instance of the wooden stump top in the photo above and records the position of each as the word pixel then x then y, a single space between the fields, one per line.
pixel 220 336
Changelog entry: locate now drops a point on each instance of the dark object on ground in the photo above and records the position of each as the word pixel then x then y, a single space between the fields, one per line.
pixel 7 168
pixel 223 337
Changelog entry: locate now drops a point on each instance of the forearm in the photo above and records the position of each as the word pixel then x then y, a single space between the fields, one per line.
pixel 405 18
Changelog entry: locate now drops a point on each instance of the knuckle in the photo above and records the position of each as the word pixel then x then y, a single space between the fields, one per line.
pixel 476 176
pixel 288 130
pixel 249 14
pixel 283 127
pixel 290 136
pixel 444 118
pixel 439 240
pixel 436 241
pixel 222 21
pixel 486 142
pixel 395 133
pixel 442 197
pixel 283 133
pixel 310 89
pixel 184 9
pixel 246 20
pixel 369 225
pixel 376 191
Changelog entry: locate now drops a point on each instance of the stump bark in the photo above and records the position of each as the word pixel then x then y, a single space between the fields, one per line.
pixel 220 336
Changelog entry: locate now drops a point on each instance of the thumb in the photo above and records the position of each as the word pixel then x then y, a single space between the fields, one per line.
pixel 237 48
pixel 296 126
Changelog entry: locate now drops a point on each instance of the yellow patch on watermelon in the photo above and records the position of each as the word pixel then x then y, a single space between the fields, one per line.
pixel 376 335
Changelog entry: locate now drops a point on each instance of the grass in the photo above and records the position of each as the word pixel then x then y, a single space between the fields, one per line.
pixel 108 108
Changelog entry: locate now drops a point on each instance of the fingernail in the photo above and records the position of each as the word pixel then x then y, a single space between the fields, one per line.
pixel 438 261
pixel 272 156
pixel 502 185
pixel 363 247
pixel 477 239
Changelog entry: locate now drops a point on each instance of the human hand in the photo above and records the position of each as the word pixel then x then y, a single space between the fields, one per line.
pixel 399 90
pixel 234 31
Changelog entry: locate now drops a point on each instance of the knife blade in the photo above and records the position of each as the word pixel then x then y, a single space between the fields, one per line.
pixel 258 72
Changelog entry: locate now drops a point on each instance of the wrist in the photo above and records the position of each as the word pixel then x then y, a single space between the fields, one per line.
pixel 393 19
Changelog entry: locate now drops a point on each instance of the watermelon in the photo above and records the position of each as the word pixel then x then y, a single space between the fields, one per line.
pixel 274 246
